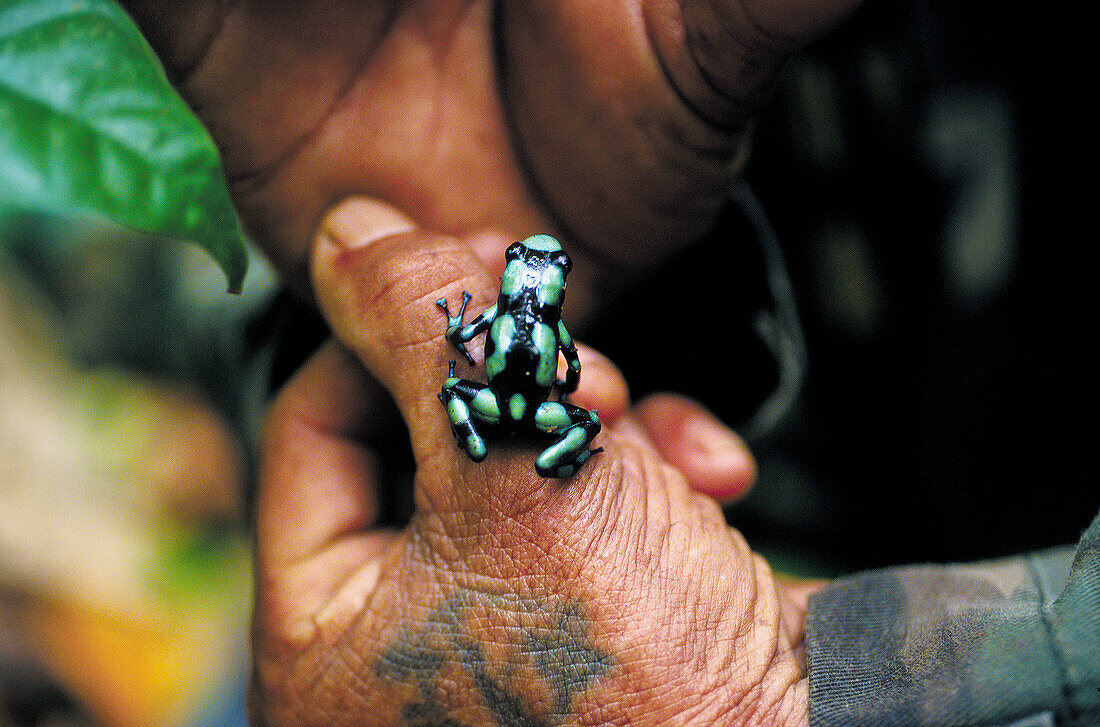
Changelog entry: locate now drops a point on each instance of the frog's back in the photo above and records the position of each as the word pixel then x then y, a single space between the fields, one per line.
pixel 521 356
pixel 521 350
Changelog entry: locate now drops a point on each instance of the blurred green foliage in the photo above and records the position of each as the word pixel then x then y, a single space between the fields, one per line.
pixel 89 124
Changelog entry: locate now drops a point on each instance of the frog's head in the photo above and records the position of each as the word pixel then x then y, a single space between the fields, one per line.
pixel 540 251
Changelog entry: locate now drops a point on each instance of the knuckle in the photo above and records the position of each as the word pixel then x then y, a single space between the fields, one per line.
pixel 395 288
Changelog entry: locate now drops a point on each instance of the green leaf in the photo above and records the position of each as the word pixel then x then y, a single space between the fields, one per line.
pixel 89 124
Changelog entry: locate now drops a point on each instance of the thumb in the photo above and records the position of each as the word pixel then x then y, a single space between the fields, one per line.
pixel 377 275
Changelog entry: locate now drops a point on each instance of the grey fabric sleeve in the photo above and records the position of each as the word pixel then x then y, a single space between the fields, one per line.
pixel 1009 642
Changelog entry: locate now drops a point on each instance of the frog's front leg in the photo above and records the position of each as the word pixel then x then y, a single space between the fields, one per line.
pixel 460 334
pixel 575 428
pixel 572 379
pixel 468 401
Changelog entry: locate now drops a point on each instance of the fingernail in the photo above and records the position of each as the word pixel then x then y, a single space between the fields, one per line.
pixel 358 221
pixel 713 439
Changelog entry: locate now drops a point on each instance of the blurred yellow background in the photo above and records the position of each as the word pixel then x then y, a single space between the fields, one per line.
pixel 125 582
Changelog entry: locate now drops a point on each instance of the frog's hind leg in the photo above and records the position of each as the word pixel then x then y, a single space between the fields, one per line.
pixel 575 429
pixel 468 401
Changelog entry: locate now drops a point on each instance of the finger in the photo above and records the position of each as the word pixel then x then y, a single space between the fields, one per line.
pixel 619 158
pixel 791 24
pixel 377 278
pixel 602 387
pixel 317 499
pixel 635 117
pixel 715 461
pixel 724 54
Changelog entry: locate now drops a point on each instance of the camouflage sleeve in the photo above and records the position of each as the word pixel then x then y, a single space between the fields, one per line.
pixel 1011 642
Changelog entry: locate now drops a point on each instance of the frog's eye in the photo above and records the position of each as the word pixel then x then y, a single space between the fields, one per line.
pixel 562 261
pixel 514 251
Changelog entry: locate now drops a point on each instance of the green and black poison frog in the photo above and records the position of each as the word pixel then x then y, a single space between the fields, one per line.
pixel 521 361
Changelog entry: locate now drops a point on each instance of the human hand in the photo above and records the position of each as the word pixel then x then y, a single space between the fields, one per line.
pixel 617 596
pixel 616 125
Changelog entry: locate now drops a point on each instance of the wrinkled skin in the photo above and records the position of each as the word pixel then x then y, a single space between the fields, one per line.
pixel 617 596
pixel 383 154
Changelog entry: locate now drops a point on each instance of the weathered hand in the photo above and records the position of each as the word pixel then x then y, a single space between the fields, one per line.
pixel 614 125
pixel 617 596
